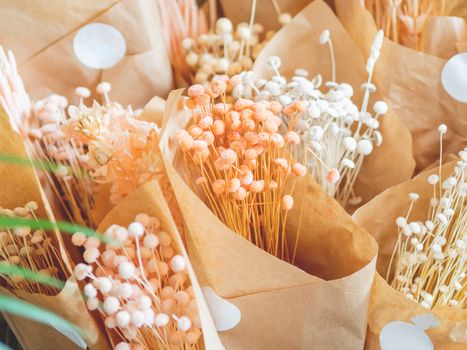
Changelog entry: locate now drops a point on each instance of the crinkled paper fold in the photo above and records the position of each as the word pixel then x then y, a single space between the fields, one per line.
pixel 410 81
pixel 298 47
pixel 379 217
pixel 41 36
pixel 19 186
pixel 322 304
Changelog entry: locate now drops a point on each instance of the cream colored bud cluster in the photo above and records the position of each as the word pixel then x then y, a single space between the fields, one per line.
pixel 13 96
pixel 337 133
pixel 139 284
pixel 430 257
pixel 228 50
pixel 29 249
pixel 240 160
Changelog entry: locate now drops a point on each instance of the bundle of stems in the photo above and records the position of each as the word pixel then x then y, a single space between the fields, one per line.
pixel 335 133
pixel 403 21
pixel 29 249
pixel 140 286
pixel 198 54
pixel 39 125
pixel 430 258
pixel 241 164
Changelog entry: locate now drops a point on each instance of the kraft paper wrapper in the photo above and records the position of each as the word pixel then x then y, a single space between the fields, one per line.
pixel 378 217
pixel 441 34
pixel 298 47
pixel 323 306
pixel 20 185
pixel 410 81
pixel 150 200
pixel 41 35
pixel 266 15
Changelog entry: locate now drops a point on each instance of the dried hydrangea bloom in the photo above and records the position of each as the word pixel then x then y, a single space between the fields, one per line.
pixel 140 286
pixel 240 162
pixel 119 147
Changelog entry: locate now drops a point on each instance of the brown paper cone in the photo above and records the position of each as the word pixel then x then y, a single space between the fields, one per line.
pixel 266 14
pixel 19 186
pixel 410 82
pixel 41 35
pixel 150 200
pixel 67 304
pixel 441 34
pixel 298 47
pixel 323 306
pixel 379 216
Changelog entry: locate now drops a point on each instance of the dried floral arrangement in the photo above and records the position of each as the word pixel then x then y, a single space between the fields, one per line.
pixel 336 135
pixel 240 163
pixel 199 53
pixel 33 250
pixel 403 21
pixel 429 261
pixel 140 286
pixel 87 146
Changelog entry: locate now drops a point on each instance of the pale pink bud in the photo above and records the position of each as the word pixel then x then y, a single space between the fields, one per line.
pixel 218 128
pixel 195 90
pixel 287 202
pixel 218 186
pixel 292 137
pixel 234 185
pixel 257 186
pixel 299 169
pixel 332 176
pixel 241 194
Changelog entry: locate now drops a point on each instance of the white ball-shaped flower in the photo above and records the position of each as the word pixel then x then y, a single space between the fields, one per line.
pixel 324 36
pixel 380 107
pixel 364 147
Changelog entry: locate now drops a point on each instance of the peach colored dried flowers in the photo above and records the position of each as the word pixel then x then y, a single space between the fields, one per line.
pixel 140 286
pixel 242 163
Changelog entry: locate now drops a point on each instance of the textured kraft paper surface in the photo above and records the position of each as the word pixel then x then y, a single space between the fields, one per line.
pixel 321 304
pixel 386 304
pixel 150 200
pixel 41 35
pixel 298 47
pixel 410 81
pixel 20 185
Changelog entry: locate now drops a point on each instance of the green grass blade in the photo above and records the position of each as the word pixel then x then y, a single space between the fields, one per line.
pixel 7 222
pixel 37 164
pixel 13 270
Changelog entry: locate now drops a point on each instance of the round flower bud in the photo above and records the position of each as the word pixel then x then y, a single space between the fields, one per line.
pixel 413 196
pixel 136 229
pixel 184 323
pixel 223 26
pixel 122 318
pixel 177 263
pixel 126 270
pixel 364 147
pixel 137 318
pixel 92 304
pixel 324 36
pixel 151 241
pixel 104 284
pixel 111 305
pixel 380 107
pixel 287 202
pixel 161 320
pixel 350 144
pixel 103 88
pixel 78 239
pixel 433 179
pixel 90 291
pixel 284 18
pixel 123 346
pixel 442 129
